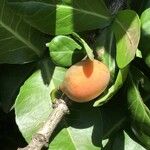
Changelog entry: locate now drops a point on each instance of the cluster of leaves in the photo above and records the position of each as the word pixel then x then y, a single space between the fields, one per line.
pixel 73 30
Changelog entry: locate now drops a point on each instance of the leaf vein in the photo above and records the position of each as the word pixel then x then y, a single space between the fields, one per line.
pixel 8 38
pixel 127 33
pixel 12 50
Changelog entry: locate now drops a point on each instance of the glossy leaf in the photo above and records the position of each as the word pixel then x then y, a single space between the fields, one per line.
pixel 138 53
pixel 131 143
pixel 145 21
pixel 84 131
pixel 19 42
pixel 145 38
pixel 64 51
pixel 33 104
pixel 126 27
pixel 141 136
pixel 81 130
pixel 64 19
pixel 106 51
pixel 139 113
pixel 120 79
pixel 114 119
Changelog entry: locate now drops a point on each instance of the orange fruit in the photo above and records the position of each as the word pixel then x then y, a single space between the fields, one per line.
pixel 85 80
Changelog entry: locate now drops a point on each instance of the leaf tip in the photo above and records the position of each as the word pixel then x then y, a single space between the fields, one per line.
pixel 47 44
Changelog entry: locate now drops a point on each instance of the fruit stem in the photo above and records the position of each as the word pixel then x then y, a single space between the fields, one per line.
pixel 41 138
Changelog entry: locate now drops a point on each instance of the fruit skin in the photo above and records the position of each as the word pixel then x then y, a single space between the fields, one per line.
pixel 85 80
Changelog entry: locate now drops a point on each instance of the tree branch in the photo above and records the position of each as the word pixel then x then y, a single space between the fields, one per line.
pixel 42 136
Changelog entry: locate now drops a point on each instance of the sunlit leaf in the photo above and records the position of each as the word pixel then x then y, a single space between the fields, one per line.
pixel 126 27
pixel 33 104
pixel 80 130
pixel 85 131
pixel 138 53
pixel 64 51
pixel 121 77
pixel 139 112
pixel 106 51
pixel 64 19
pixel 145 38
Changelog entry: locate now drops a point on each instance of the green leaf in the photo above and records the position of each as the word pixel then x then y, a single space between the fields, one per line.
pixel 106 51
pixel 85 45
pixel 80 130
pixel 121 77
pixel 131 144
pixel 114 120
pixel 122 141
pixel 145 38
pixel 138 53
pixel 126 27
pixel 145 22
pixel 33 104
pixel 84 131
pixel 113 117
pixel 141 136
pixel 141 79
pixel 19 42
pixel 11 78
pixel 139 112
pixel 64 51
pixel 64 19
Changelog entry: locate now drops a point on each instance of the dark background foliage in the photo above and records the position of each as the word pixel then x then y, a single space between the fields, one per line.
pixel 40 39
